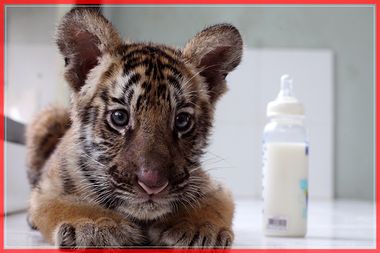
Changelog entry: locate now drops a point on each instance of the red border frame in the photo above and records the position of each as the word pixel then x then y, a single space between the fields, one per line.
pixel 2 125
pixel 182 2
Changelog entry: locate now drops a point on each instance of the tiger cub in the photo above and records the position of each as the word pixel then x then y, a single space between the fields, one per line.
pixel 121 166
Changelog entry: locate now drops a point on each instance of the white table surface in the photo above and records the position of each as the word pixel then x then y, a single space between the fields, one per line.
pixel 331 224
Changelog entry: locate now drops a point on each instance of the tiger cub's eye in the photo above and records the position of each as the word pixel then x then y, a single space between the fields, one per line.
pixel 119 118
pixel 183 121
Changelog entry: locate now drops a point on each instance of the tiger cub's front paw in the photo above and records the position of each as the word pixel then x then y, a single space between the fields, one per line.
pixel 186 234
pixel 104 232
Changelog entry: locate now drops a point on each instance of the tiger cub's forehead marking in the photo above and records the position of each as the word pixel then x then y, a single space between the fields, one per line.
pixel 150 76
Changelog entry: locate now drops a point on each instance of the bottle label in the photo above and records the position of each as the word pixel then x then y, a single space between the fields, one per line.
pixel 277 223
pixel 304 187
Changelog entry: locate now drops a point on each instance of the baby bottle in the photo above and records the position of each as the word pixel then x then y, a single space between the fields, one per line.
pixel 285 165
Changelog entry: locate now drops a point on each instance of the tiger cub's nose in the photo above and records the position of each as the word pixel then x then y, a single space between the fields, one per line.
pixel 151 181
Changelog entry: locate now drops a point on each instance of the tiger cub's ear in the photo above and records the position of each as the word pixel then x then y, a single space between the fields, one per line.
pixel 215 51
pixel 83 35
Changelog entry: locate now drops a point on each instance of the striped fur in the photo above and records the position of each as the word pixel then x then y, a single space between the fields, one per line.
pixel 85 194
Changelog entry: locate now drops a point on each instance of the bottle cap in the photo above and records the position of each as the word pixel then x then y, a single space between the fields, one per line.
pixel 285 103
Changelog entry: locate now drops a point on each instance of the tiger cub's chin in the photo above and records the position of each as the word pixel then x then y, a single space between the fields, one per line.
pixel 147 211
pixel 122 166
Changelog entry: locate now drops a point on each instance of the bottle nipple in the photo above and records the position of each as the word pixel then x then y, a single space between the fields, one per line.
pixel 286 103
pixel 286 86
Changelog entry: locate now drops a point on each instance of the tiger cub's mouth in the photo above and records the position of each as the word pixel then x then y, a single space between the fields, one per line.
pixel 152 190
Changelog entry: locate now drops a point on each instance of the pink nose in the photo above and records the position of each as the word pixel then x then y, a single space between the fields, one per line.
pixel 151 181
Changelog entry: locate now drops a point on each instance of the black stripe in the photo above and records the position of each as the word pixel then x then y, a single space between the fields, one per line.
pixel 136 57
pixel 174 82
pixel 118 100
pixel 175 71
pixel 104 96
pixel 68 182
pixel 161 91
pixel 149 50
pixel 195 238
pixel 157 71
pixel 182 104
pixel 130 96
pixel 149 68
pixel 82 137
pixel 168 97
pixel 132 80
pixel 83 165
pixel 129 66
pixel 107 74
pixel 85 116
pixel 93 146
pixel 135 53
pixel 138 103
pixel 104 133
pixel 94 115
pixel 147 86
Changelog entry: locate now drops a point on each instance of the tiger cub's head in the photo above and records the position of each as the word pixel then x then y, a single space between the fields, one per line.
pixel 142 112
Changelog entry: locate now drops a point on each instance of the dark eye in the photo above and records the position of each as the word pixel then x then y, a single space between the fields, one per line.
pixel 119 118
pixel 183 121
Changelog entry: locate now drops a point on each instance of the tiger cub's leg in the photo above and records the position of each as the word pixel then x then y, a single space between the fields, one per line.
pixel 208 224
pixel 67 223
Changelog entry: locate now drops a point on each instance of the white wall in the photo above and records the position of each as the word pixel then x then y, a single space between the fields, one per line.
pixel 34 68
pixel 33 79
